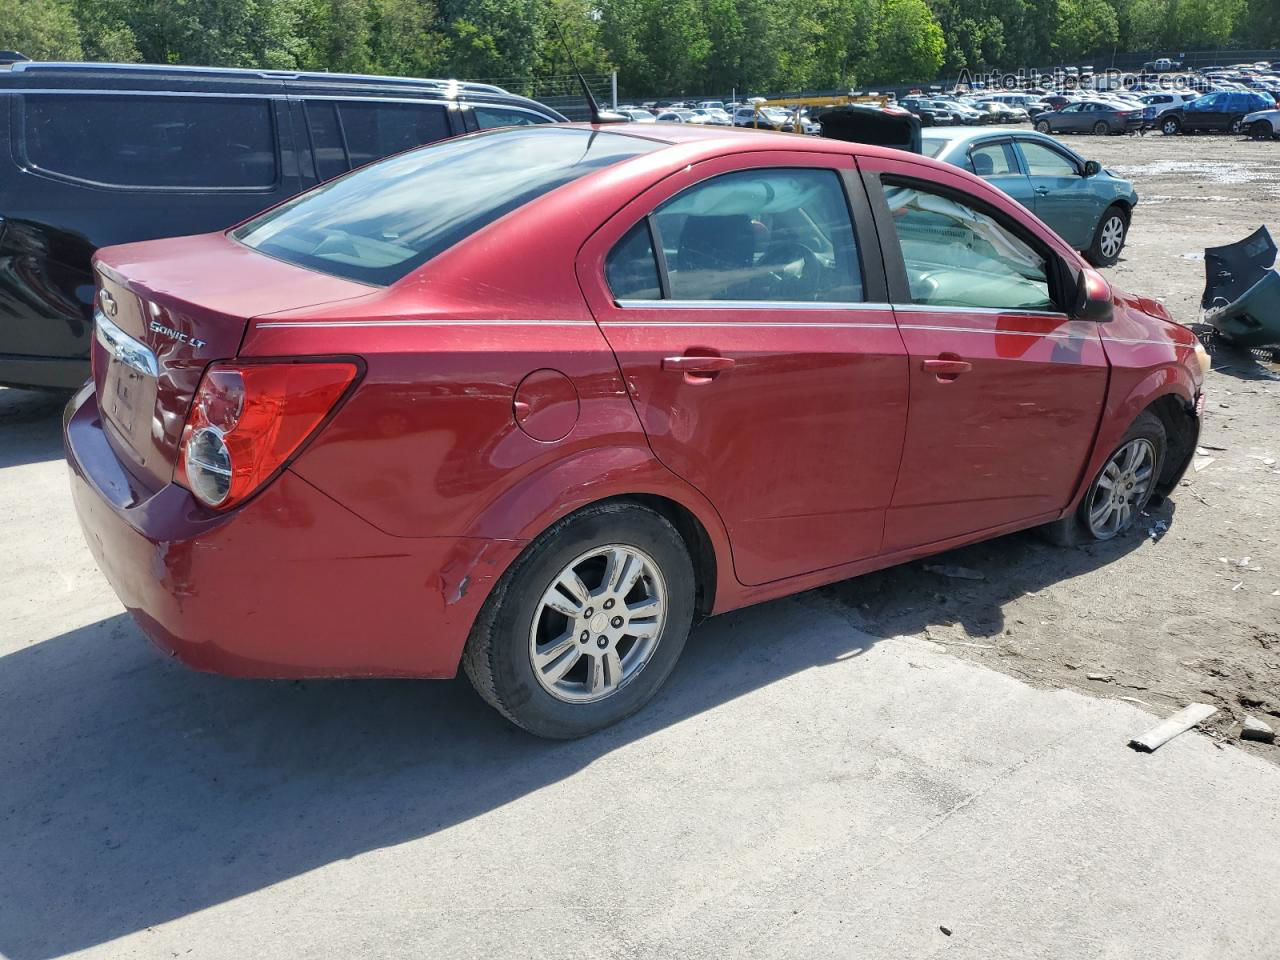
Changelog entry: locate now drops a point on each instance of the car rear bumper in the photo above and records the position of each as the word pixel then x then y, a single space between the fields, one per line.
pixel 292 584
pixel 46 373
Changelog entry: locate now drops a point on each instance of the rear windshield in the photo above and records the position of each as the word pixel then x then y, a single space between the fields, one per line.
pixel 379 223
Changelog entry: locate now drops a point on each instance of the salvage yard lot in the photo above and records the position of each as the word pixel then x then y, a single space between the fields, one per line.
pixel 826 775
pixel 1172 612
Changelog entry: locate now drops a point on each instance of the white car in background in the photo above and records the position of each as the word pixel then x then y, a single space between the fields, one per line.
pixel 1262 125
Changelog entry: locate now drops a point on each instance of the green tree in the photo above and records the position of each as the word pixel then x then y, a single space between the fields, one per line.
pixel 1203 24
pixel 1084 26
pixel 41 29
pixel 909 43
pixel 408 39
pixel 1261 24
pixel 493 38
pixel 658 45
pixel 973 31
pixel 579 22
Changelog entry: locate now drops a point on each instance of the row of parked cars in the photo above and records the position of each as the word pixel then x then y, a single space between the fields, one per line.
pixel 1171 111
pixel 720 113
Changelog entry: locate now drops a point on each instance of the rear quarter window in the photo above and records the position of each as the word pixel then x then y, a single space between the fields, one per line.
pixel 140 141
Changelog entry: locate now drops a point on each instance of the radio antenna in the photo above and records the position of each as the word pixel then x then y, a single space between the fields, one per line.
pixel 593 108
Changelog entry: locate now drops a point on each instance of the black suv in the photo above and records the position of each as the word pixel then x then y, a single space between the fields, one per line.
pixel 100 154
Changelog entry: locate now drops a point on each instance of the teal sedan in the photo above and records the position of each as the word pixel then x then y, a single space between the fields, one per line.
pixel 1086 206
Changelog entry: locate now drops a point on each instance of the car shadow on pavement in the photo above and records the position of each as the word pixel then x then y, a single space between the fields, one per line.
pixel 30 426
pixel 911 598
pixel 134 791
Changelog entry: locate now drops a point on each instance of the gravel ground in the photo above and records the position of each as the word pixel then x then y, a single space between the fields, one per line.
pixel 1187 613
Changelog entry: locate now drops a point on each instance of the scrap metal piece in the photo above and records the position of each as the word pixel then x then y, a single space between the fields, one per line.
pixel 1180 722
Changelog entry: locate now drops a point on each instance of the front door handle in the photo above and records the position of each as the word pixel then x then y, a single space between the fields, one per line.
pixel 1042 191
pixel 946 369
pixel 702 365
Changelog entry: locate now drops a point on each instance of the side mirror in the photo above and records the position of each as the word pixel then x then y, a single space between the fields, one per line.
pixel 1092 168
pixel 1092 299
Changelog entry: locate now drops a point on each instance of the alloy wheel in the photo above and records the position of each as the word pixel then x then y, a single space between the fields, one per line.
pixel 1112 238
pixel 598 623
pixel 1169 128
pixel 1121 489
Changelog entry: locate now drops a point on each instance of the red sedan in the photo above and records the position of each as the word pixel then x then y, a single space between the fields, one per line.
pixel 534 400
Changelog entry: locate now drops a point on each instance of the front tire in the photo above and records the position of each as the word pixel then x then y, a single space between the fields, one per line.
pixel 1100 129
pixel 1120 490
pixel 1043 126
pixel 587 624
pixel 1261 130
pixel 1108 238
pixel 1171 126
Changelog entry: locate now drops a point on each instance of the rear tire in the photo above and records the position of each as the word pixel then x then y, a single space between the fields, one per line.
pixel 520 640
pixel 1101 129
pixel 1116 497
pixel 1108 238
pixel 1171 126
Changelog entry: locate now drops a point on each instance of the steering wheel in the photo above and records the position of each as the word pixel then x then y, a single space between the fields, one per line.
pixel 795 270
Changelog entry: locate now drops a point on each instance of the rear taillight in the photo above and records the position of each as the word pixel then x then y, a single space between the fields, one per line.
pixel 247 419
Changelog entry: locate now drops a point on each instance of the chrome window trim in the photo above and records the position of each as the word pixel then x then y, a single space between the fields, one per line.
pixel 1051 334
pixel 981 311
pixel 748 305
pixel 124 348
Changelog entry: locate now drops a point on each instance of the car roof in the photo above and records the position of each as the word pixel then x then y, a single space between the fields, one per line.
pixel 710 140
pixel 956 137
pixel 104 77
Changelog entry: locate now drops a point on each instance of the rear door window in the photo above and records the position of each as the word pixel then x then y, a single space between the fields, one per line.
pixel 375 129
pixel 993 160
pixel 762 235
pixel 173 142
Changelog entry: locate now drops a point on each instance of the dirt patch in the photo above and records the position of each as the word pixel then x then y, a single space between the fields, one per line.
pixel 1173 612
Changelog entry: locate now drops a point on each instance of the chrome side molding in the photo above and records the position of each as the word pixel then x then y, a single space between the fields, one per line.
pixel 123 347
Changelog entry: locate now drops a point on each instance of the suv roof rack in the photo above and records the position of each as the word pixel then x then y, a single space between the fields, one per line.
pixel 25 65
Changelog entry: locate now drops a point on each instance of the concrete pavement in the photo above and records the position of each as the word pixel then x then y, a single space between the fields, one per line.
pixel 801 789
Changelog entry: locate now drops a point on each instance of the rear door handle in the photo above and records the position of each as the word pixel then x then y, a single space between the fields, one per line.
pixel 697 364
pixel 947 368
pixel 1042 191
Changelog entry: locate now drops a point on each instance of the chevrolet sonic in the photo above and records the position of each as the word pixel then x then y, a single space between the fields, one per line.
pixel 532 401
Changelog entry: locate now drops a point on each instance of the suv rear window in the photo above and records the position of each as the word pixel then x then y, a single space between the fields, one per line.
pixel 377 224
pixel 149 141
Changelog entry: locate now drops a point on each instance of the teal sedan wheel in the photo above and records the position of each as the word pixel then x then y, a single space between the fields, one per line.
pixel 1108 238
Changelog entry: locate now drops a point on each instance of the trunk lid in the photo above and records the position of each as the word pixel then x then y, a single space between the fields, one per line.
pixel 166 309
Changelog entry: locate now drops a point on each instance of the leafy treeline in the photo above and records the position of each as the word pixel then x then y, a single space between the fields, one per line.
pixel 658 46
